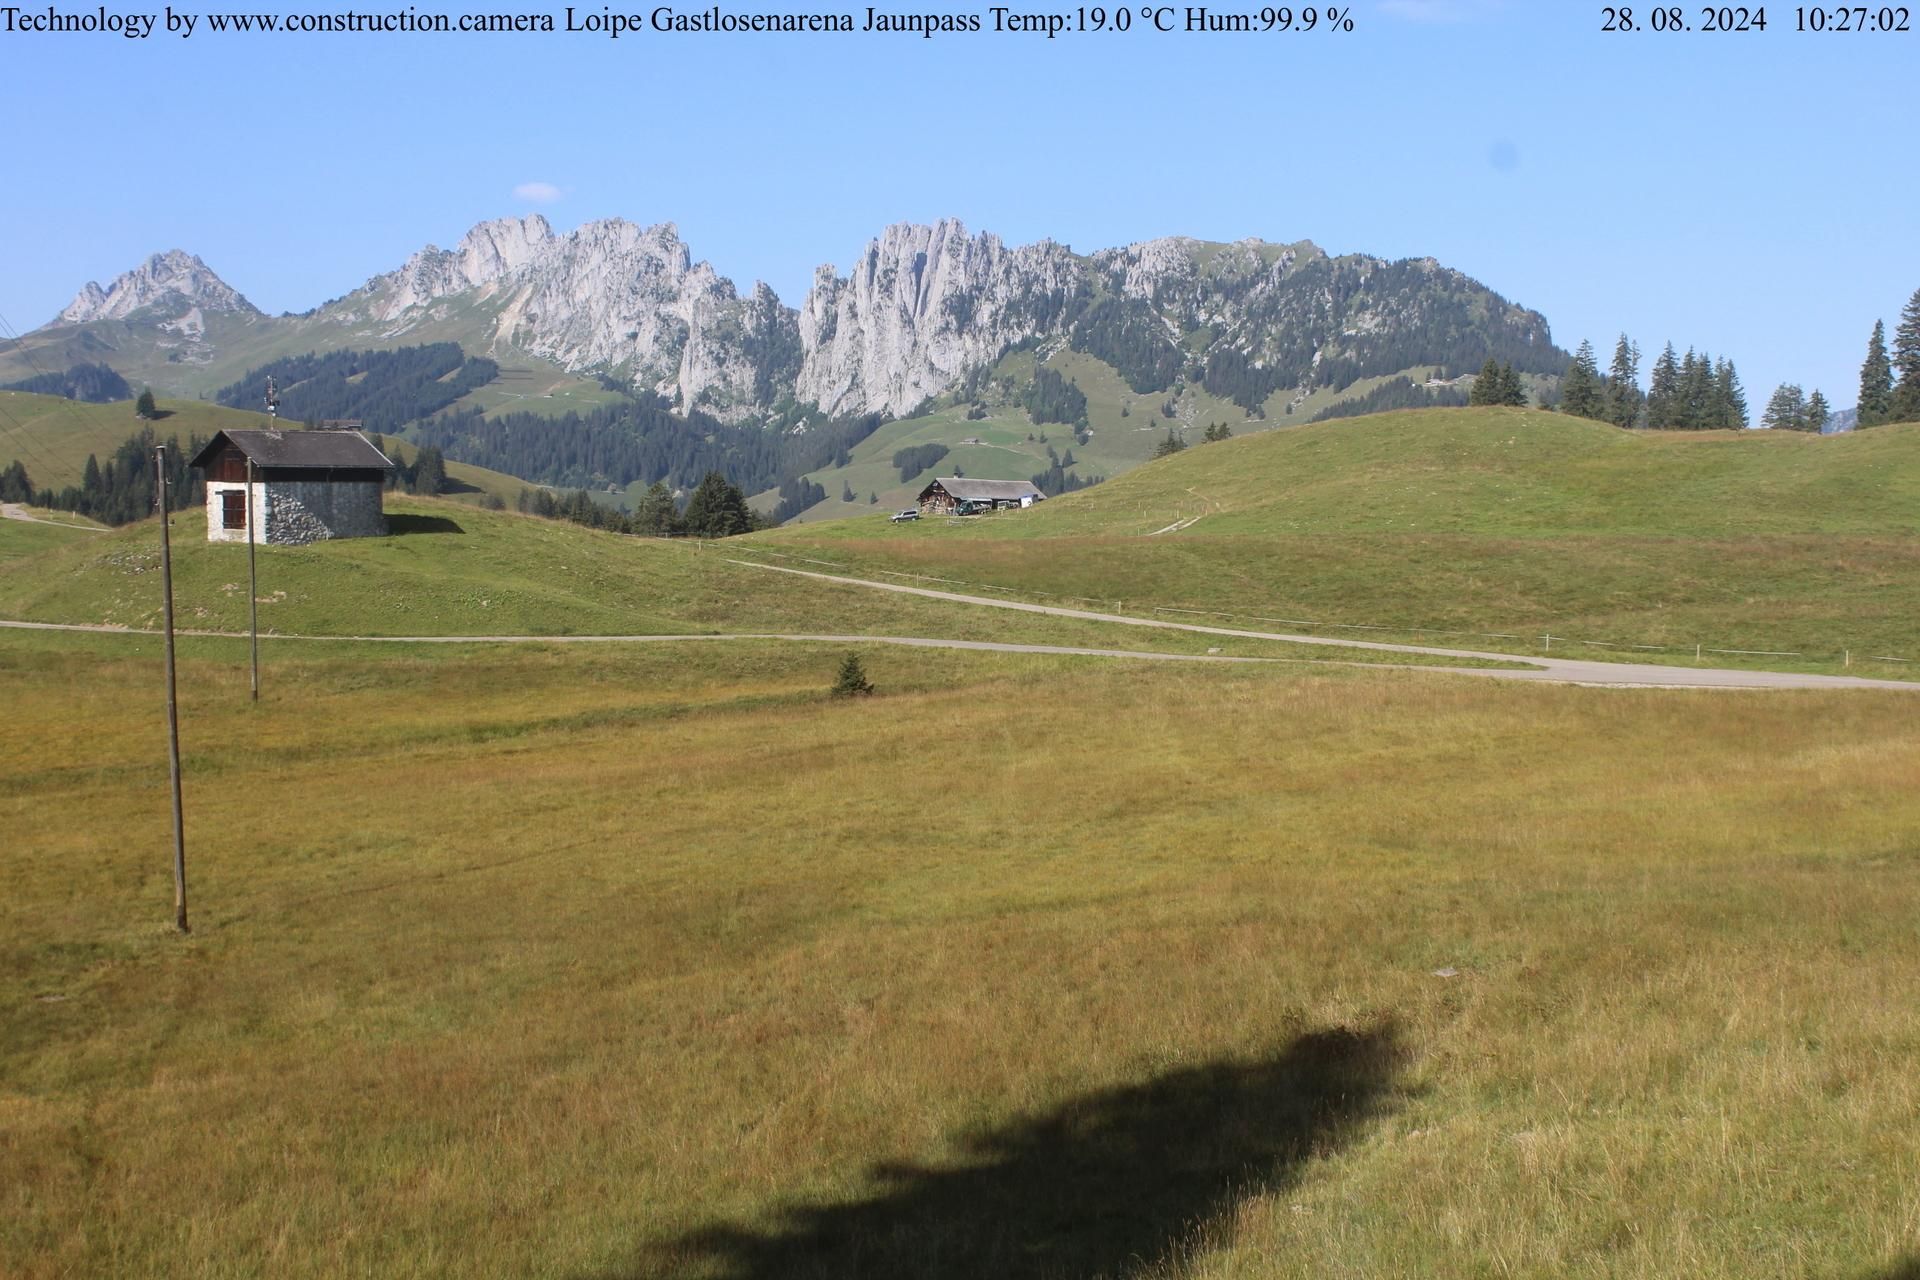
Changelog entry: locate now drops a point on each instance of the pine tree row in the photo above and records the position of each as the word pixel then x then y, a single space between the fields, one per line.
pixel 1694 392
pixel 1890 386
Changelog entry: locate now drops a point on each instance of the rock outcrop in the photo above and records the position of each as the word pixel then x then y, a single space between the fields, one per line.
pixel 608 296
pixel 922 307
pixel 175 284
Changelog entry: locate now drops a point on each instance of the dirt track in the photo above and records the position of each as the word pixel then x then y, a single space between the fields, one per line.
pixel 1640 675
pixel 1628 675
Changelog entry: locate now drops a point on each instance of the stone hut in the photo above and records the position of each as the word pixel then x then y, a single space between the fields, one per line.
pixel 307 486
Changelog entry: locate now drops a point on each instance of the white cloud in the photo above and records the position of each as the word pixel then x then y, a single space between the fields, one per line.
pixel 537 192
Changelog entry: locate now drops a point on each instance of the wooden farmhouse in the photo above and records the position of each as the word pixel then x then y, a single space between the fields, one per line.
pixel 308 486
pixel 950 495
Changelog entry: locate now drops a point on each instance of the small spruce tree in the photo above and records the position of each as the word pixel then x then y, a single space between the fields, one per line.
pixel 1580 391
pixel 1906 363
pixel 852 682
pixel 1513 392
pixel 1786 410
pixel 1663 392
pixel 1623 384
pixel 144 407
pixel 1486 384
pixel 1818 412
pixel 1876 380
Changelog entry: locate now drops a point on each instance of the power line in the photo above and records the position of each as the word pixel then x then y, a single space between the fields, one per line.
pixel 22 438
pixel 12 334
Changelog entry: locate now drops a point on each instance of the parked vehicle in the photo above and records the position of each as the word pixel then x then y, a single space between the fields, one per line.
pixel 911 513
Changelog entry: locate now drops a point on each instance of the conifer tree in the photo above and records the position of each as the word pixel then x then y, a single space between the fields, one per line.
pixel 1906 363
pixel 716 509
pixel 15 485
pixel 1876 380
pixel 1486 384
pixel 1786 410
pixel 1696 392
pixel 1818 412
pixel 1513 391
pixel 1663 391
pixel 1623 384
pixel 429 471
pixel 1580 391
pixel 144 407
pixel 1729 397
pixel 655 514
pixel 852 681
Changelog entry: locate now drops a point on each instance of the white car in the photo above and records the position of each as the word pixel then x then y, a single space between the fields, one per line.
pixel 911 513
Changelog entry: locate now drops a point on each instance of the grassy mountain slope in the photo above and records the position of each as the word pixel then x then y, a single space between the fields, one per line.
pixel 23 539
pixel 1478 520
pixel 451 569
pixel 147 355
pixel 52 438
pixel 632 962
pixel 1125 428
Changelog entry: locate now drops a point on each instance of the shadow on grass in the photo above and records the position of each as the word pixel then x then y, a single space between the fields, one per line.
pixel 1907 1270
pixel 1102 1185
pixel 400 526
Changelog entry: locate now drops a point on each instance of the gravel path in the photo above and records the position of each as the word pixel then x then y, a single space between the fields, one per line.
pixel 1628 675
pixel 16 511
pixel 1636 675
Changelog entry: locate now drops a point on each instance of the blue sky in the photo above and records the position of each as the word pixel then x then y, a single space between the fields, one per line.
pixel 1752 194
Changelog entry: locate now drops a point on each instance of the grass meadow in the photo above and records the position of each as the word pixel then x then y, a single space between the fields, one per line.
pixel 453 570
pixel 1511 524
pixel 608 962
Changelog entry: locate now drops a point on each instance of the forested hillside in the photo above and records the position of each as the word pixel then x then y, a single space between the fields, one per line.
pixel 93 383
pixel 385 390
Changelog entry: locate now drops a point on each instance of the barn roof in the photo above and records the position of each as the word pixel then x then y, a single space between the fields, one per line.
pixel 300 450
pixel 964 489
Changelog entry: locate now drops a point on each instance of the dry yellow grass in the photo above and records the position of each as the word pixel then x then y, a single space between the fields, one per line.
pixel 610 963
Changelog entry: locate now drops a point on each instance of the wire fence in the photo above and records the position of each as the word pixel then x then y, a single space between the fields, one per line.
pixel 1544 641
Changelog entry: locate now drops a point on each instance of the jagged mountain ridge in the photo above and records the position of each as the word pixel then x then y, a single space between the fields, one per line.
pixel 175 283
pixel 923 308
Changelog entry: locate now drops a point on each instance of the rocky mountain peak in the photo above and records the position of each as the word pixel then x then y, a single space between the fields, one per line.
pixel 924 305
pixel 502 246
pixel 175 281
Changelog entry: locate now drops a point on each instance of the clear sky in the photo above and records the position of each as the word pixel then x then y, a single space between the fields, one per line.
pixel 1752 194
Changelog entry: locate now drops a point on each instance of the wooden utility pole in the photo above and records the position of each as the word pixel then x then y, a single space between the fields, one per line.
pixel 253 587
pixel 173 704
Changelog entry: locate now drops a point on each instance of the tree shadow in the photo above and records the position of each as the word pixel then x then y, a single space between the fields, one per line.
pixel 399 526
pixel 1104 1184
pixel 1905 1270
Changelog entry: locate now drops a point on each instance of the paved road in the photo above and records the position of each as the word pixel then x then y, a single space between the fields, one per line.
pixel 1638 675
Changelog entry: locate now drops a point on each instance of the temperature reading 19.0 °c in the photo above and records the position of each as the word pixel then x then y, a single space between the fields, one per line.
pixel 1284 18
